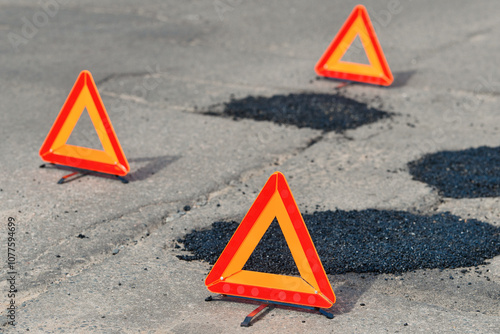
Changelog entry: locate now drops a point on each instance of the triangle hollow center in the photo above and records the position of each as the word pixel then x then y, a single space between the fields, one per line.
pixel 87 105
pixel 355 53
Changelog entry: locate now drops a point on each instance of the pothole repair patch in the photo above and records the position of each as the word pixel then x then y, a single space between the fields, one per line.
pixel 375 241
pixel 470 173
pixel 317 111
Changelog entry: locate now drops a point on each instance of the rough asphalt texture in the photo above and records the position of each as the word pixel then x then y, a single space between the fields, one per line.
pixel 363 241
pixel 470 173
pixel 157 64
pixel 317 111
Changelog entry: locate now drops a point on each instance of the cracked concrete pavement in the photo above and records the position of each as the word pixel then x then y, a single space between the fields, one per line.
pixel 156 65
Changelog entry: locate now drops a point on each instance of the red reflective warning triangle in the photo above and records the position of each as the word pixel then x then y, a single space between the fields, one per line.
pixel 84 95
pixel 330 65
pixel 227 276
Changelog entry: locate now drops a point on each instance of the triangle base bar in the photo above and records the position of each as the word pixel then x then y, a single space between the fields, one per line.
pixel 261 310
pixel 78 173
pixel 56 150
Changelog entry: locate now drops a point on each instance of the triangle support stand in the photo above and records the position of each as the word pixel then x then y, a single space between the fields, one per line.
pixel 55 149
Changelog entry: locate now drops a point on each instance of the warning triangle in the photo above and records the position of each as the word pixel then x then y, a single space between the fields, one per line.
pixel 331 64
pixel 84 95
pixel 227 276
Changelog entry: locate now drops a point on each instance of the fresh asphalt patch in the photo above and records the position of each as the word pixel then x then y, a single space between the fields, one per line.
pixel 326 112
pixel 470 173
pixel 367 241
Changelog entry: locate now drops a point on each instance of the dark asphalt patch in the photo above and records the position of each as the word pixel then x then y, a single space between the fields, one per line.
pixel 318 111
pixel 470 173
pixel 375 241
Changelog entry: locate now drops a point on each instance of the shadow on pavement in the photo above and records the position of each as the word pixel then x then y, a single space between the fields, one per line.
pixel 349 294
pixel 153 166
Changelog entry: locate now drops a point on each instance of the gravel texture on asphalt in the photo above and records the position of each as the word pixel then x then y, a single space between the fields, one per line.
pixel 318 111
pixel 376 241
pixel 470 173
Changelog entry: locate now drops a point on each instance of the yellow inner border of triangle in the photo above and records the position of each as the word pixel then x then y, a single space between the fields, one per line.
pixel 334 63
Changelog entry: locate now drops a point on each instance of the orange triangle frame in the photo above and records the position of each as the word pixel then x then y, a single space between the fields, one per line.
pixel 84 95
pixel 311 289
pixel 330 64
